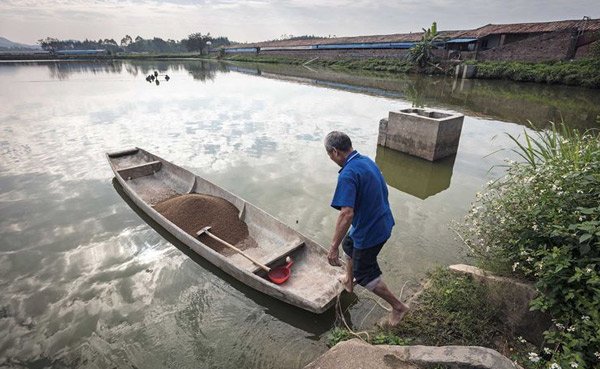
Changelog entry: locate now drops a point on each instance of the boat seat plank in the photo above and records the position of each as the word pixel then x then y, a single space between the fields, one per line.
pixel 279 254
pixel 140 170
pixel 118 154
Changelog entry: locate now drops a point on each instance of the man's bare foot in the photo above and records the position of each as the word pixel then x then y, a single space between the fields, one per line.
pixel 348 284
pixel 397 315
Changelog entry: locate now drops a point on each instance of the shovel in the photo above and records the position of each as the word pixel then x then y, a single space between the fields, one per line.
pixel 277 275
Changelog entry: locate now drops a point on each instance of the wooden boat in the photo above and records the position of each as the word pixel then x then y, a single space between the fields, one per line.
pixel 148 179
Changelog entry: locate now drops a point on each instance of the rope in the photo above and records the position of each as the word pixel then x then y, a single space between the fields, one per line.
pixel 340 313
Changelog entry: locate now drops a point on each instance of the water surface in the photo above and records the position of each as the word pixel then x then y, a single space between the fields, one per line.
pixel 88 281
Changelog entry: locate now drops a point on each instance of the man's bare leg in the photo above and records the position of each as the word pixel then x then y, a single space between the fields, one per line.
pixel 348 279
pixel 399 309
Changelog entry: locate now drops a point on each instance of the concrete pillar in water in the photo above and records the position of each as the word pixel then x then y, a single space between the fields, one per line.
pixel 428 134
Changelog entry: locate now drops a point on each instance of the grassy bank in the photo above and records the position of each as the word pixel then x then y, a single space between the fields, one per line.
pixel 584 72
pixel 452 310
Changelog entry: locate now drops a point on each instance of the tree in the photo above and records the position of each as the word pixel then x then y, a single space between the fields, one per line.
pixel 126 41
pixel 197 41
pixel 111 42
pixel 49 43
pixel 421 54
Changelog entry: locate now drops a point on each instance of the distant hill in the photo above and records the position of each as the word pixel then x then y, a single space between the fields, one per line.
pixel 6 44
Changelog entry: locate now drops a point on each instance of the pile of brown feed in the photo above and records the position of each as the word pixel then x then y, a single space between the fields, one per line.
pixel 192 212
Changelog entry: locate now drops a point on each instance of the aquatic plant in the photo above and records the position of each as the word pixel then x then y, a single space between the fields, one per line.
pixel 542 222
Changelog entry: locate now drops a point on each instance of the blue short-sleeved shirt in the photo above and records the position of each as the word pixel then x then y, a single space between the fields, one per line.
pixel 361 186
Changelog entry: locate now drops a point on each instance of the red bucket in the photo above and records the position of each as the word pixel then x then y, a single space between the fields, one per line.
pixel 281 274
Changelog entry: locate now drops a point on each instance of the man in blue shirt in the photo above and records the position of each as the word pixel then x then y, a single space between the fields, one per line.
pixel 361 196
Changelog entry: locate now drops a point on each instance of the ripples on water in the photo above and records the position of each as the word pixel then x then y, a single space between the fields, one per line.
pixel 89 282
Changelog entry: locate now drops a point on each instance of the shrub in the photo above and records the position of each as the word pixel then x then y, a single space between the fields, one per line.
pixel 542 222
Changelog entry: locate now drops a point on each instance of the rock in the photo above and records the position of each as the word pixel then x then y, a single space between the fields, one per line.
pixel 356 354
pixel 513 298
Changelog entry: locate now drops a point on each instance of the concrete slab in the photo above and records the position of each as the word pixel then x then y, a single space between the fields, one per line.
pixel 356 354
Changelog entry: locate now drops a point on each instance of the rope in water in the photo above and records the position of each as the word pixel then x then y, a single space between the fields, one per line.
pixel 340 313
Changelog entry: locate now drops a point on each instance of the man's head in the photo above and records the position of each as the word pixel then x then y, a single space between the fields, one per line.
pixel 338 146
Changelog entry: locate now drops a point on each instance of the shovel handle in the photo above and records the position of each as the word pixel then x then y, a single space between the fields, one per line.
pixel 262 266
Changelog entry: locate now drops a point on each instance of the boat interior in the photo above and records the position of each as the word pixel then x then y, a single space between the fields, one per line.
pixel 155 180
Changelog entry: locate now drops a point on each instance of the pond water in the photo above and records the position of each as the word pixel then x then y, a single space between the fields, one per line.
pixel 88 281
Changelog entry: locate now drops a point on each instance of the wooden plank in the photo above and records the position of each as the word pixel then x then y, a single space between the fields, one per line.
pixel 118 154
pixel 280 253
pixel 140 170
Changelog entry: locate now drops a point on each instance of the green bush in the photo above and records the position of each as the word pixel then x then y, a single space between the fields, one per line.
pixel 542 222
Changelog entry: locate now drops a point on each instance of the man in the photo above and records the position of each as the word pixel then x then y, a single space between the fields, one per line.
pixel 361 196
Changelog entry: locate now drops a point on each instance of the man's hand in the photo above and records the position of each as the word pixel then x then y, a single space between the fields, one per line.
pixel 334 256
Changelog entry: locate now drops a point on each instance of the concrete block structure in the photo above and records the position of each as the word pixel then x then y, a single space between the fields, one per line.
pixel 428 134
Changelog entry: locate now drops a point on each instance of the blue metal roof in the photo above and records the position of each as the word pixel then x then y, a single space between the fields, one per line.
pixel 368 45
pixel 461 40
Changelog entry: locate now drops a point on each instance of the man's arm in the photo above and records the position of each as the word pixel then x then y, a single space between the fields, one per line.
pixel 342 225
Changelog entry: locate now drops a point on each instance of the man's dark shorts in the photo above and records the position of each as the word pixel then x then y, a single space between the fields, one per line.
pixel 364 261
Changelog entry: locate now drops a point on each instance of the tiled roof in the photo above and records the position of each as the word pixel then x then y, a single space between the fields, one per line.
pixel 491 29
pixel 398 37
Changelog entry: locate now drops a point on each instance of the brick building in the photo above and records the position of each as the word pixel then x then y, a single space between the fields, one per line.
pixel 559 40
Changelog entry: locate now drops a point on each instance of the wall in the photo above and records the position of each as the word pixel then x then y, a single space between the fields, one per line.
pixel 586 41
pixel 545 47
pixel 338 54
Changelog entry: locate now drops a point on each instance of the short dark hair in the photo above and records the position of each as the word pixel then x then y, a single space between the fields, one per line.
pixel 337 140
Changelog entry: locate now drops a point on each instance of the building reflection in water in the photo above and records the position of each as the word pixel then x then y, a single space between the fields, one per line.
pixel 412 175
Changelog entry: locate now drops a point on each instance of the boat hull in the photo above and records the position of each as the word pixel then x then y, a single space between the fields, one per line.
pixel 313 285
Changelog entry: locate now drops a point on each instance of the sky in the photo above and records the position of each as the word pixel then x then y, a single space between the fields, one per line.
pixel 27 21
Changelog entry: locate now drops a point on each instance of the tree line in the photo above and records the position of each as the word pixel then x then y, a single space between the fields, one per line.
pixel 195 42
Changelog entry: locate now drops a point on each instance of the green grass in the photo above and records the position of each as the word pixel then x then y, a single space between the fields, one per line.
pixel 453 309
pixel 585 72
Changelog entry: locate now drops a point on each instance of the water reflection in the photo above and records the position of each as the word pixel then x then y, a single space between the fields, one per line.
pixel 412 175
pixel 86 283
pixel 501 100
